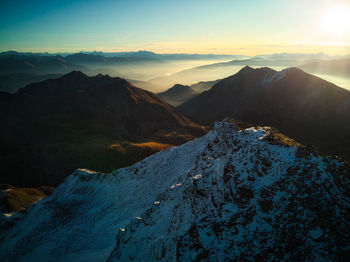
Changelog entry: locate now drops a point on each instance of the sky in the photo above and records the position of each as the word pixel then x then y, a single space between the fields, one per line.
pixel 182 26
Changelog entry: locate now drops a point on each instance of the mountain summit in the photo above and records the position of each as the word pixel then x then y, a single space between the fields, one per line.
pixel 178 94
pixel 242 193
pixel 304 107
pixel 55 126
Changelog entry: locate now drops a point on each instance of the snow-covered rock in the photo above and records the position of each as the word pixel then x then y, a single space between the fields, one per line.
pixel 270 79
pixel 231 195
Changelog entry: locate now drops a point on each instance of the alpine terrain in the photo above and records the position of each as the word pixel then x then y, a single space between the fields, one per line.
pixel 304 107
pixel 52 127
pixel 237 193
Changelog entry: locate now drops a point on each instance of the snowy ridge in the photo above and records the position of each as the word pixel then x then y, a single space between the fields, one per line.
pixel 269 79
pixel 243 194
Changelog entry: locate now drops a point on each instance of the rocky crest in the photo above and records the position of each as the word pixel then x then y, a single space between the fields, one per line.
pixel 233 194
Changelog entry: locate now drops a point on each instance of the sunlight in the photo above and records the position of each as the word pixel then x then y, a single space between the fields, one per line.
pixel 336 21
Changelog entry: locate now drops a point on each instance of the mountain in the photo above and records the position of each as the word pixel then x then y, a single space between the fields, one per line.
pixel 247 194
pixel 36 64
pixel 169 57
pixel 204 85
pixel 178 94
pixel 52 127
pixel 335 67
pixel 12 82
pixel 278 59
pixel 303 106
pixel 82 58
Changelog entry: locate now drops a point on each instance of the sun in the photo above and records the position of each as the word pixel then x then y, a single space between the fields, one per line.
pixel 336 21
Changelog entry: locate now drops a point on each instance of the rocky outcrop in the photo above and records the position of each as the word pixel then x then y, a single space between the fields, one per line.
pixel 237 193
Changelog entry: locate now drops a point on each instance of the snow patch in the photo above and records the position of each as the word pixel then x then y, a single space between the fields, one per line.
pixel 269 80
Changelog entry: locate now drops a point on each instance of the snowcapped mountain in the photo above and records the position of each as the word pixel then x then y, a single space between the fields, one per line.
pixel 233 194
pixel 302 106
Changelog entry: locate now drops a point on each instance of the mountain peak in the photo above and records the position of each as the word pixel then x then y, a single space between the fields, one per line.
pixel 75 74
pixel 178 94
pixel 246 69
pixel 231 193
pixel 179 86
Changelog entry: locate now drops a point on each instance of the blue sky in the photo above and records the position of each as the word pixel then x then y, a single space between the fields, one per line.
pixel 197 26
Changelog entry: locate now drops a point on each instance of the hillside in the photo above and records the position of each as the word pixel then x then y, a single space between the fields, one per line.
pixel 243 193
pixel 55 126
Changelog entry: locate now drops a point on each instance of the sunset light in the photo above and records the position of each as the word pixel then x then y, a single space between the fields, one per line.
pixel 336 21
pixel 174 131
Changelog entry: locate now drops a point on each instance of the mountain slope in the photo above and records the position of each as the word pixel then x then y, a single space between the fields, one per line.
pixel 55 126
pixel 248 194
pixel 14 199
pixel 178 94
pixel 301 105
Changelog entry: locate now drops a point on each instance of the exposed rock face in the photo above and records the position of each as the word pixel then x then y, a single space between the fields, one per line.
pixel 233 194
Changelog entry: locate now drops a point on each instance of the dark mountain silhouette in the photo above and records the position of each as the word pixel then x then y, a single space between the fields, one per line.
pixel 178 94
pixel 204 85
pixel 151 55
pixel 335 67
pixel 305 107
pixel 82 58
pixel 12 82
pixel 36 64
pixel 52 127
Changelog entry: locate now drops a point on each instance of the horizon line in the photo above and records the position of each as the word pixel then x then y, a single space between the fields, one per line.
pixel 166 53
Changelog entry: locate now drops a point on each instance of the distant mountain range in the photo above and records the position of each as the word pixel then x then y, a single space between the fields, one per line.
pixel 52 127
pixel 318 63
pixel 141 55
pixel 178 94
pixel 44 64
pixel 81 58
pixel 237 193
pixel 305 107
pixel 14 63
pixel 11 83
pixel 335 67
pixel 282 59
pixel 157 71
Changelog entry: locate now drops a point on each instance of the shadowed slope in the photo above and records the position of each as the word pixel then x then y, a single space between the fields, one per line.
pixel 52 127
